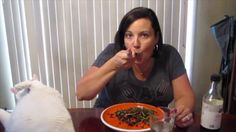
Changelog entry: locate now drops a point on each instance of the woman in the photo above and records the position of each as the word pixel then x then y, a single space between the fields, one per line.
pixel 138 67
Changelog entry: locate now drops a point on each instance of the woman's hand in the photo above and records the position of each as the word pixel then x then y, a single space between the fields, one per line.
pixel 184 101
pixel 184 117
pixel 123 59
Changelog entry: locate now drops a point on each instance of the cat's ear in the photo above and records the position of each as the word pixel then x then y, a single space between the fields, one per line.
pixel 13 90
pixel 35 77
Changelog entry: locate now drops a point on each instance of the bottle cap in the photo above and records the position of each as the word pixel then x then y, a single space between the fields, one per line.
pixel 215 77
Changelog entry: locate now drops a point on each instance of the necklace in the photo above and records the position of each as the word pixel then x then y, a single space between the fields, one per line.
pixel 142 71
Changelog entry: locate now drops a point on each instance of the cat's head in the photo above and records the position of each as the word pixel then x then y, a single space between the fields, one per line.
pixel 21 93
pixel 23 88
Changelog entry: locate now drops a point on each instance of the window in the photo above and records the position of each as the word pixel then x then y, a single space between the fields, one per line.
pixel 60 39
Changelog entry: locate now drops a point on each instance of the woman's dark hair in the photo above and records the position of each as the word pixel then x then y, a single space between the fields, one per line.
pixel 129 18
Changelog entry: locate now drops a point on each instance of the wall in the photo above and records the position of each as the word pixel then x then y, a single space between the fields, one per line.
pixel 207 54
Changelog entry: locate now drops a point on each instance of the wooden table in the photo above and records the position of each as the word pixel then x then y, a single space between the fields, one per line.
pixel 88 120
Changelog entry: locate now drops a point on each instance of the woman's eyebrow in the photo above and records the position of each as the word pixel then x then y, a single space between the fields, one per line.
pixel 128 31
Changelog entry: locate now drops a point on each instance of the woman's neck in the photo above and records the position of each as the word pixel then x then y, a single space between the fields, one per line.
pixel 142 71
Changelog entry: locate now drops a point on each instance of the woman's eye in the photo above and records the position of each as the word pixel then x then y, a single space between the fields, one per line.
pixel 144 35
pixel 128 35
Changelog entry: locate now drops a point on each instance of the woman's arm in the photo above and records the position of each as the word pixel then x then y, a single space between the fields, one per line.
pixel 96 78
pixel 184 101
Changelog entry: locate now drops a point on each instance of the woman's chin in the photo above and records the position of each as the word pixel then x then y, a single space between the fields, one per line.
pixel 138 61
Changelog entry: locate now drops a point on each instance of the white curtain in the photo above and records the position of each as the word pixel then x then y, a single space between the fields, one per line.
pixel 60 39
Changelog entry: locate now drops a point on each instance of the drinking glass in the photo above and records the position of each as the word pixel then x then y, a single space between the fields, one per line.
pixel 163 125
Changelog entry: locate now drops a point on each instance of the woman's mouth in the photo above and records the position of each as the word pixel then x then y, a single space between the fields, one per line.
pixel 138 56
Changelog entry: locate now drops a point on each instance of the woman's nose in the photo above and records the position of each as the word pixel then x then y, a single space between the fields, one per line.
pixel 136 43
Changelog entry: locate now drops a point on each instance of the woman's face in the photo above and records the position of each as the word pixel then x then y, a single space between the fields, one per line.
pixel 141 40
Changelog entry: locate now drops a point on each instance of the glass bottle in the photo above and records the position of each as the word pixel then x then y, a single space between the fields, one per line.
pixel 212 106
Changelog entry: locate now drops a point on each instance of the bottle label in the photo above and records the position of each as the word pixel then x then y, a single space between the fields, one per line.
pixel 211 115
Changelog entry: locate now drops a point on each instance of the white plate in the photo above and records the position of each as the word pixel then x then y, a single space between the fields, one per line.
pixel 125 105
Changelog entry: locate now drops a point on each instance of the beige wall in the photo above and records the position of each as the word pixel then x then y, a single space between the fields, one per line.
pixel 207 54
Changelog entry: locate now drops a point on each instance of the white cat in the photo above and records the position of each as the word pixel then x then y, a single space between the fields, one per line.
pixel 39 109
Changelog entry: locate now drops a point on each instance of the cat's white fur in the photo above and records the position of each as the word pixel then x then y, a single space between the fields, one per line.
pixel 39 109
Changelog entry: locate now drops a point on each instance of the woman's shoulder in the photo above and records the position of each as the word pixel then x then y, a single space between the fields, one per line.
pixel 105 55
pixel 110 46
pixel 109 49
pixel 167 49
